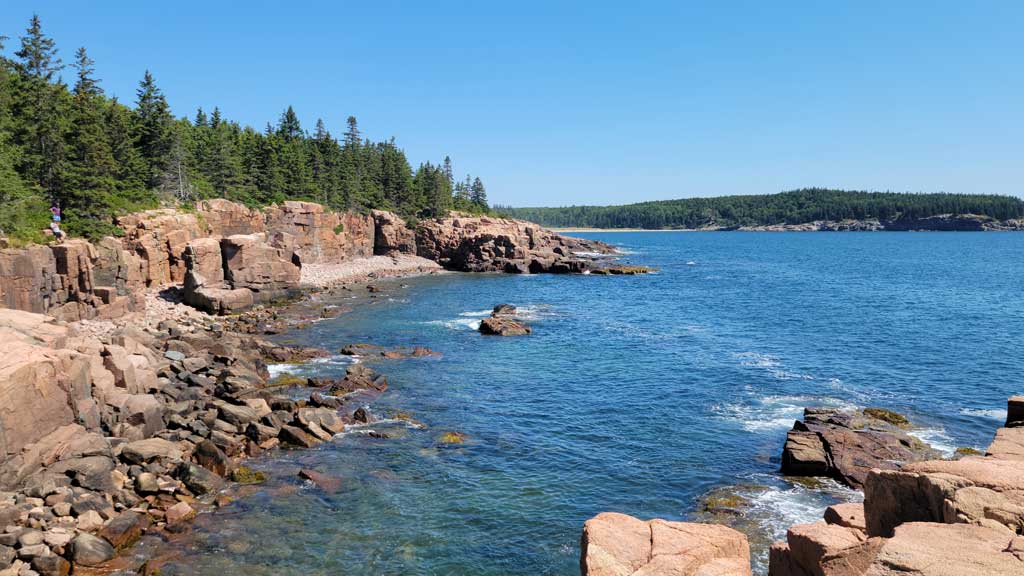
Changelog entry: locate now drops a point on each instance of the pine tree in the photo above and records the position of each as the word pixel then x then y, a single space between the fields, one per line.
pixel 132 170
pixel 155 131
pixel 39 103
pixel 91 179
pixel 289 127
pixel 478 195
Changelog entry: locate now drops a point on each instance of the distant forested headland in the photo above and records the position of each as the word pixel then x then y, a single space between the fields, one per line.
pixel 94 156
pixel 786 208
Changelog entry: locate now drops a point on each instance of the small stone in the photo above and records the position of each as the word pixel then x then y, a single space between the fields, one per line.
pixel 147 483
pixel 27 553
pixel 174 355
pixel 90 521
pixel 58 537
pixel 62 509
pixel 51 565
pixel 246 475
pixel 89 550
pixel 180 512
pixel 197 479
pixel 30 538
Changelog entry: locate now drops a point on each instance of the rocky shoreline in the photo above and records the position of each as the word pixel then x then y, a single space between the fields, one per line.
pixel 126 407
pixel 125 410
pixel 921 515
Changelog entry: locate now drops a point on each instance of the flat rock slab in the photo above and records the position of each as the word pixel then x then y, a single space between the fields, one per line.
pixel 616 544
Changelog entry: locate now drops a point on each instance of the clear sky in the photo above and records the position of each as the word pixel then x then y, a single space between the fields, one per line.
pixel 594 102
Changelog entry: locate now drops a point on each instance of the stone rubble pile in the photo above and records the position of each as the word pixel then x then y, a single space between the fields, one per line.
pixel 104 440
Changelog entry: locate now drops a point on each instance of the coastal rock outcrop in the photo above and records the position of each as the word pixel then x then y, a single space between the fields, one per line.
pixel 231 274
pixel 928 518
pixel 485 244
pixel 392 235
pixel 74 280
pixel 615 544
pixel 503 326
pixel 847 445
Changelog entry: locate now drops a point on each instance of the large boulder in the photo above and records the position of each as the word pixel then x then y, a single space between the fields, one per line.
pixel 619 545
pixel 847 445
pixel 392 235
pixel 249 262
pixel 978 490
pixel 203 257
pixel 503 326
pixel 42 384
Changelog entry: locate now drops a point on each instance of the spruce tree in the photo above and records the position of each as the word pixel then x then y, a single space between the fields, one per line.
pixel 91 179
pixel 478 195
pixel 41 103
pixel 155 131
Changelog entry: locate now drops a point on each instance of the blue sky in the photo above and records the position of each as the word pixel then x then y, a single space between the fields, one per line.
pixel 555 103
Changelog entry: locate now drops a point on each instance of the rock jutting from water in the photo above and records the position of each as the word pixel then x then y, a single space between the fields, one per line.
pixel 847 444
pixel 930 518
pixel 502 322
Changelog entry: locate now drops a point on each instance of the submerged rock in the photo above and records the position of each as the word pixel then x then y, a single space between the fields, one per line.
pixel 325 482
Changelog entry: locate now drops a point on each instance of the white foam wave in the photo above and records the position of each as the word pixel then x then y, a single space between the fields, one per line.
pixel 758 360
pixel 314 365
pixel 476 313
pixel 592 254
pixel 774 412
pixel 936 438
pixel 993 414
pixel 457 324
pixel 777 508
pixel 691 263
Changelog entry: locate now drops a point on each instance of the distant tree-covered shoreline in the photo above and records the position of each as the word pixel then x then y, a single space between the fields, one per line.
pixel 794 207
pixel 96 157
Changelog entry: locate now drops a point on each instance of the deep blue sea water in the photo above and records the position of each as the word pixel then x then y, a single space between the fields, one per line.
pixel 636 394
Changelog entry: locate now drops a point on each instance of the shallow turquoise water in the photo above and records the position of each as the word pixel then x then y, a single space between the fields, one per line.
pixel 636 394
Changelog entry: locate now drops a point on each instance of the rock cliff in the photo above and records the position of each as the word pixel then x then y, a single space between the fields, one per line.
pixel 485 244
pixel 228 256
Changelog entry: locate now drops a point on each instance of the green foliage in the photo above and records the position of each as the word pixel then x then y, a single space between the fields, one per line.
pixel 339 228
pixel 796 207
pixel 96 157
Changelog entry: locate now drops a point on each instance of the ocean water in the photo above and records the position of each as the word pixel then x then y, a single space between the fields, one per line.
pixel 636 394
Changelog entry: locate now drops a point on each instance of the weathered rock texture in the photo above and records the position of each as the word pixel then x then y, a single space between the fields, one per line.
pixel 930 518
pixel 619 545
pixel 102 439
pixel 485 244
pixel 229 256
pixel 847 445
pixel 74 280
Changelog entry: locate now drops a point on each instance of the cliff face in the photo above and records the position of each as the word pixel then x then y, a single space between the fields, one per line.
pixel 484 244
pixel 229 256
